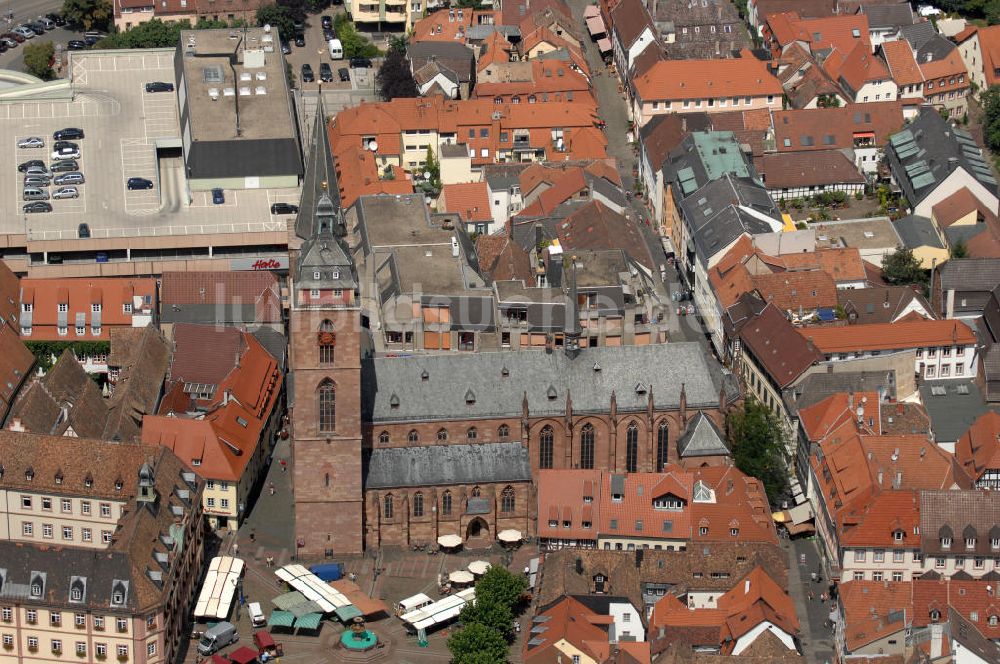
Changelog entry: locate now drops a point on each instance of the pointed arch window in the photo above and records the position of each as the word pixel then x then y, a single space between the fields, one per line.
pixel 503 433
pixel 507 499
pixel 545 443
pixel 413 436
pixel 327 399
pixel 327 341
pixel 632 448
pixel 662 446
pixel 446 503
pixel 418 504
pixel 387 506
pixel 442 434
pixel 587 446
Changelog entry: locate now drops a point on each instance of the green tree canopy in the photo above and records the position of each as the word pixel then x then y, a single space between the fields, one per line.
pixel 38 59
pixel 477 644
pixel 394 79
pixel 902 268
pixel 277 17
pixel 502 586
pixel 959 249
pixel 990 100
pixel 89 14
pixel 760 446
pixel 355 44
pixel 487 611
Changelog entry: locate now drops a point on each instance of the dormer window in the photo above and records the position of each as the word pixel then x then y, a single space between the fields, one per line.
pixel 118 598
pixel 735 532
pixel 59 477
pixel 118 485
pixel 36 590
pixel 195 462
pixel 703 530
pixel 935 615
pixel 970 542
pixel 616 497
pixel 335 274
pixel 127 308
pixel 945 542
pixel 317 275
pixel 897 535
pixel 88 481
pixel 994 543
pixel 77 595
pixel 29 474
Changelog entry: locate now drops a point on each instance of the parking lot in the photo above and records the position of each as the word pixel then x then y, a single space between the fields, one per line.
pixel 124 127
pixel 316 52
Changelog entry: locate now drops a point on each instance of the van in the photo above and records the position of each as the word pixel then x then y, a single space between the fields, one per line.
pixel 217 637
pixel 257 618
pixel 35 194
pixel 336 49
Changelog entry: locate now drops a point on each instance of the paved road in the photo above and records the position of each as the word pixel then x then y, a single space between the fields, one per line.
pixel 816 636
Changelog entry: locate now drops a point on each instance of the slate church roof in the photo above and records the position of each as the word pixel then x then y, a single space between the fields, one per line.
pixel 435 465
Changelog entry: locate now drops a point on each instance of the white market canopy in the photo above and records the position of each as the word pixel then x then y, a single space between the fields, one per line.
pixel 510 535
pixel 440 611
pixel 450 541
pixel 312 587
pixel 219 588
pixel 479 567
pixel 461 576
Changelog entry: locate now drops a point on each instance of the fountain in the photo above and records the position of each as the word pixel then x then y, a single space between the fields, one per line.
pixel 357 638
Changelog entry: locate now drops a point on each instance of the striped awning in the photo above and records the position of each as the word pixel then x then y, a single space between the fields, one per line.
pixel 282 619
pixel 308 621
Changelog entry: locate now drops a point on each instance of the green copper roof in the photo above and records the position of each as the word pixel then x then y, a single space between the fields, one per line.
pixel 720 153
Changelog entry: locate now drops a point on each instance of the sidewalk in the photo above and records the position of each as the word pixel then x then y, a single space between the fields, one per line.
pixel 816 637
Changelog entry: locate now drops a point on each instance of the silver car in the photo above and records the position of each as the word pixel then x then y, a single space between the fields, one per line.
pixel 74 177
pixel 31 142
pixel 36 181
pixel 66 192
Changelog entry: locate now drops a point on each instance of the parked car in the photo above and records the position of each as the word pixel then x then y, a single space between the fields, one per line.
pixel 344 73
pixel 138 183
pixel 159 86
pixel 65 192
pixel 68 134
pixel 24 31
pixel 286 48
pixel 92 38
pixel 37 181
pixel 216 637
pixel 284 208
pixel 13 35
pixel 218 196
pixel 76 45
pixel 25 165
pixel 31 142
pixel 3 46
pixel 64 166
pixel 67 153
pixel 36 27
pixel 37 206
pixel 300 40
pixel 328 34
pixel 359 62
pixel 73 177
pixel 56 18
pixel 9 42
pixel 83 231
pixel 46 23
pixel 65 145
pixel 37 171
pixel 325 73
pixel 326 21
pixel 307 73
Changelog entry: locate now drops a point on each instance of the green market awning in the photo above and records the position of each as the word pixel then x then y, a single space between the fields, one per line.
pixel 296 603
pixel 346 613
pixel 308 621
pixel 281 619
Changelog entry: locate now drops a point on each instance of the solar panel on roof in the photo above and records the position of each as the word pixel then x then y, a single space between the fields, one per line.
pixel 917 167
pixel 923 180
pixel 907 151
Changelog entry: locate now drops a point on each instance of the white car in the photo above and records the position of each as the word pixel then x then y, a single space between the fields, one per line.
pixel 929 10
pixel 66 192
pixel 31 142
pixel 24 31
pixel 66 153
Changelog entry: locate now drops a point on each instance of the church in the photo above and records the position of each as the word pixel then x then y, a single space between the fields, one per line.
pixel 395 451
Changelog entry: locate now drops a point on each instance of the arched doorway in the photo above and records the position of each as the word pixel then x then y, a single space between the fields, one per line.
pixel 477 533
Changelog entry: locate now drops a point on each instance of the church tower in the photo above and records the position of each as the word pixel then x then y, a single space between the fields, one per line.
pixel 325 365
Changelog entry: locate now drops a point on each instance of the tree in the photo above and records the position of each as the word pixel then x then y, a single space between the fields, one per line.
pixel 296 8
pixel 394 79
pixel 901 267
pixel 990 100
pixel 759 442
pixel 38 59
pixel 89 14
pixel 277 17
pixel 500 585
pixel 354 43
pixel 959 249
pixel 477 644
pixel 489 612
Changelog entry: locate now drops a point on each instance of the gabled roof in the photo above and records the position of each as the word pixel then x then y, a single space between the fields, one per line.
pixel 901 62
pixel 809 169
pixel 567 621
pixel 889 336
pixel 989 46
pixel 860 67
pixel 880 304
pixel 889 15
pixel 776 345
pixel 916 232
pixel 628 20
pixel 437 465
pixel 821 34
pixel 664 133
pixel 64 398
pixel 873 610
pixel 470 200
pixel 702 438
pixel 971 514
pixel 978 450
pixel 970 274
pixel 701 79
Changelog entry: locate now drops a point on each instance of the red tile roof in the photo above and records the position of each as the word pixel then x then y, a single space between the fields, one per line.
pixel 470 200
pixel 978 450
pixel 883 516
pixel 902 63
pixel 867 606
pixel 357 175
pixel 859 66
pixel 958 205
pixel 225 437
pixel 989 46
pixel 702 79
pixel 571 621
pixel 634 515
pixel 945 73
pixel 260 288
pixel 975 600
pixel 838 32
pixel 777 346
pixel 563 492
pixel 889 336
pixel 112 293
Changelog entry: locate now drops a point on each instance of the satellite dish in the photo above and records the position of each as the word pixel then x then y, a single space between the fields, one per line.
pixel 267 27
pixel 373 146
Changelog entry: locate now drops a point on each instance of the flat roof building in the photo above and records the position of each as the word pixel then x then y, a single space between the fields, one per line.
pixel 236 114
